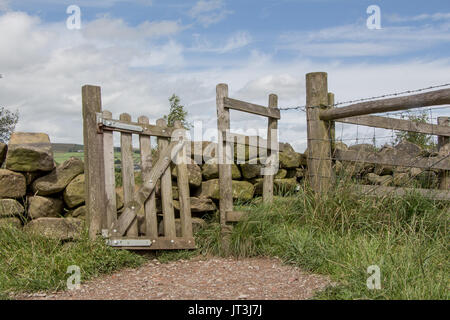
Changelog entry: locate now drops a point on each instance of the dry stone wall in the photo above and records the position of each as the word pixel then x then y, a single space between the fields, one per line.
pixel 40 196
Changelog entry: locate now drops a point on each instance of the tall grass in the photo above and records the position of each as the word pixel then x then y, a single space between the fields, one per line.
pixel 29 262
pixel 340 234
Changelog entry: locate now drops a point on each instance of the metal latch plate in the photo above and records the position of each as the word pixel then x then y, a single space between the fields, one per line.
pixel 129 242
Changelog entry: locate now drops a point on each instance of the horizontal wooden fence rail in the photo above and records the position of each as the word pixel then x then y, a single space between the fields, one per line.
pixel 437 162
pixel 251 108
pixel 252 141
pixel 397 124
pixel 435 98
pixel 441 195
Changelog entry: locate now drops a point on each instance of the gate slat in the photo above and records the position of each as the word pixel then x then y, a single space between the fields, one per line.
pixel 126 145
pixel 271 135
pixel 110 183
pixel 151 221
pixel 183 188
pixel 166 191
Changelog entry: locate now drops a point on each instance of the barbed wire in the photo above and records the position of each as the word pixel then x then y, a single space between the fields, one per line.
pixel 303 107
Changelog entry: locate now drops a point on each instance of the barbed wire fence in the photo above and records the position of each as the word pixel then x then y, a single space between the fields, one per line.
pixel 412 172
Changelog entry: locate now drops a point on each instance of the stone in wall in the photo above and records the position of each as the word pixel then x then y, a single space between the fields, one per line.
pixel 39 207
pixel 79 213
pixel 29 152
pixel 56 228
pixel 59 178
pixel 198 204
pixel 210 170
pixel 242 190
pixel 289 159
pixel 379 180
pixel 11 221
pixel 12 184
pixel 10 208
pixel 194 174
pixel 250 171
pixel 74 192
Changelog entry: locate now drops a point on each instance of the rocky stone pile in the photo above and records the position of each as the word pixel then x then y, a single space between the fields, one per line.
pixel 40 196
pixel 37 194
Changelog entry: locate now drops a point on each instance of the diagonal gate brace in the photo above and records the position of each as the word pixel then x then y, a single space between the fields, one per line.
pixel 127 217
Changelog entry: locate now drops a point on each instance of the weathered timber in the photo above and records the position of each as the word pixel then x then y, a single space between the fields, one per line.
pixel 251 108
pixel 224 154
pixel 183 187
pixel 126 145
pixel 398 124
pixel 93 160
pixel 166 190
pixel 110 182
pixel 319 139
pixel 393 159
pixel 434 98
pixel 272 135
pixel 151 221
pixel 148 187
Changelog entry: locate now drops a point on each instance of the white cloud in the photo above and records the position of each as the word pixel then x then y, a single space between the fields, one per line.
pixel 208 12
pixel 235 41
pixel 4 5
pixel 45 65
pixel 394 18
pixel 357 40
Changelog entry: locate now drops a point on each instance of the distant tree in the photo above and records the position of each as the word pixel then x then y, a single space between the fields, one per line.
pixel 421 139
pixel 8 121
pixel 177 112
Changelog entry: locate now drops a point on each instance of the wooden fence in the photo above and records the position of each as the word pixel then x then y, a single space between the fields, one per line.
pixel 122 230
pixel 226 145
pixel 321 116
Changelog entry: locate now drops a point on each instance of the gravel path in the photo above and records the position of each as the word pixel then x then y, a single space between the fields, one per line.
pixel 200 279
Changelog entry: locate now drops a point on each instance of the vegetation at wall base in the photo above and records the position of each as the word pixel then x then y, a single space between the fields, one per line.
pixel 30 263
pixel 341 234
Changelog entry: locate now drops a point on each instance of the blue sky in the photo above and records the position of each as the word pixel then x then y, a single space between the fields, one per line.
pixel 141 52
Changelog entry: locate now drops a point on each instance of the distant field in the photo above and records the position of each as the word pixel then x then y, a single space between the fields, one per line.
pixel 60 157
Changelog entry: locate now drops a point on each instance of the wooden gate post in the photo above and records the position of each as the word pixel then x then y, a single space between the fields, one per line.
pixel 272 125
pixel 319 139
pixel 442 141
pixel 93 160
pixel 225 179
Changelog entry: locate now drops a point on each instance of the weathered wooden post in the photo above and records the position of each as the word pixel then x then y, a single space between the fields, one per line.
pixel 272 135
pixel 93 160
pixel 224 152
pixel 442 141
pixel 319 139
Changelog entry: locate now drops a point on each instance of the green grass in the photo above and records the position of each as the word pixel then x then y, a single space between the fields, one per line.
pixel 340 235
pixel 30 263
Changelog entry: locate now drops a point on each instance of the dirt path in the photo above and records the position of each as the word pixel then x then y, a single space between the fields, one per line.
pixel 200 278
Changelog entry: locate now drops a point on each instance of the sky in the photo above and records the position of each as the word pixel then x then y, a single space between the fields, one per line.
pixel 141 52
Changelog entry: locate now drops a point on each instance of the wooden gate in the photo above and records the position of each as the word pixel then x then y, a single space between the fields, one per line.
pixel 122 229
pixel 226 143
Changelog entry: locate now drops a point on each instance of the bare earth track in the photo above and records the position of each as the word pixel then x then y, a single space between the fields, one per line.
pixel 199 279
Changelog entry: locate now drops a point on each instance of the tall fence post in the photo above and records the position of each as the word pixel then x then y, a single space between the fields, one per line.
pixel 319 138
pixel 224 152
pixel 442 141
pixel 93 160
pixel 272 135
